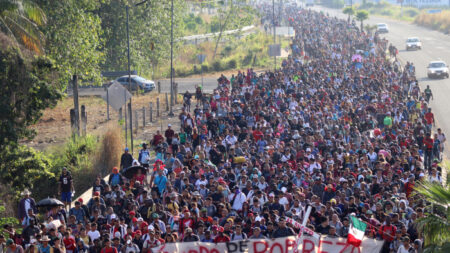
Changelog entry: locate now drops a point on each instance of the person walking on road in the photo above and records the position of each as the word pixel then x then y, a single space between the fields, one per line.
pixel 66 187
pixel 25 204
pixel 126 160
pixel 428 94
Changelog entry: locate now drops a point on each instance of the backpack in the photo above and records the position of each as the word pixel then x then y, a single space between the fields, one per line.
pixel 144 157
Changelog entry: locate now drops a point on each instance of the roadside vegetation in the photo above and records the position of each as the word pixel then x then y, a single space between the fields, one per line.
pixel 246 52
pixel 436 21
pixel 389 10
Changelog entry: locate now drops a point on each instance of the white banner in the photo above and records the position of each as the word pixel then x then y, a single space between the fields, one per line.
pixel 280 245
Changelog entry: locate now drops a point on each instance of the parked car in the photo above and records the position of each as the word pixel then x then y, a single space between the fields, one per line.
pixel 413 43
pixel 437 69
pixel 382 28
pixel 137 81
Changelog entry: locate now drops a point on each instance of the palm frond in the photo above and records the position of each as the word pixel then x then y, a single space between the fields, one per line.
pixel 31 40
pixel 434 193
pixel 435 228
pixel 34 13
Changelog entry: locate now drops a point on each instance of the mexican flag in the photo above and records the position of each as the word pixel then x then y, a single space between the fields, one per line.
pixel 356 231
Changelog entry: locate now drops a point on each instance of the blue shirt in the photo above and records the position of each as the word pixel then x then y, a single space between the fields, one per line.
pixel 160 182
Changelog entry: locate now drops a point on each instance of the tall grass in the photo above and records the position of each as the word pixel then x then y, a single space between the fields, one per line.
pixel 437 21
pixel 109 151
pixel 249 51
pixel 389 10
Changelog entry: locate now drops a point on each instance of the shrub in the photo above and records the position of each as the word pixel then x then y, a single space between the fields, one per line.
pixel 205 67
pixel 387 12
pixel 232 64
pixel 217 66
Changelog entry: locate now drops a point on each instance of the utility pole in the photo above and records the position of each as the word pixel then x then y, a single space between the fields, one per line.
pixel 171 61
pixel 274 33
pixel 130 115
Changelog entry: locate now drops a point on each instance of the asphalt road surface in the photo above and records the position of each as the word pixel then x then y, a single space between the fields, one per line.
pixel 435 46
pixel 184 84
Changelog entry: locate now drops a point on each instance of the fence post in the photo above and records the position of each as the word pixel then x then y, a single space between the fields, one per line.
pixel 75 104
pixel 136 120
pixel 73 123
pixel 176 93
pixel 157 107
pixel 159 87
pixel 107 104
pixel 130 121
pixel 151 112
pixel 167 102
pixel 83 120
pixel 143 116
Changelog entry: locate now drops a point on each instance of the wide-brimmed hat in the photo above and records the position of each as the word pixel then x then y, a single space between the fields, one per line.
pixel 45 239
pixel 26 192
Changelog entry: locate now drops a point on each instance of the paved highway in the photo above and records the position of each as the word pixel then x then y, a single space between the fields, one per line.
pixel 436 45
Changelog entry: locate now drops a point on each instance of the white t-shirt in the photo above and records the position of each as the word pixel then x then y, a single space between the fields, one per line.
pixel 238 202
pixel 402 249
pixel 93 235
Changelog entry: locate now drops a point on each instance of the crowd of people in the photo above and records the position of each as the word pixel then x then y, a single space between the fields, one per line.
pixel 343 134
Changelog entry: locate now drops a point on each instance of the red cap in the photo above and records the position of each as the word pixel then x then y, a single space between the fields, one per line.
pixel 132 213
pixel 80 200
pixel 96 194
pixel 134 220
pixel 221 229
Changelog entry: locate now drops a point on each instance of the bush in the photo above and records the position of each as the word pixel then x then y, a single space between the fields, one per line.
pixel 205 67
pixel 232 64
pixel 217 65
pixel 23 167
pixel 387 12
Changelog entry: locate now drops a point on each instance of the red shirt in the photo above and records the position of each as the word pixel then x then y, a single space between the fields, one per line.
pixel 221 238
pixel 69 243
pixel 109 250
pixel 385 231
pixel 257 135
pixel 429 117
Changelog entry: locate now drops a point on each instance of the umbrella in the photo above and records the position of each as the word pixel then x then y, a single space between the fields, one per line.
pixel 131 171
pixel 49 202
pixel 357 57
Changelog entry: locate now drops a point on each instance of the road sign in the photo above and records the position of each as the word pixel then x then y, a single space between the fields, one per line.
pixel 275 50
pixel 201 58
pixel 434 11
pixel 117 95
pixel 285 31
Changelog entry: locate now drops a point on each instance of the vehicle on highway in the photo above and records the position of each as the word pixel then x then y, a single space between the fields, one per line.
pixel 413 43
pixel 437 69
pixel 382 28
pixel 309 3
pixel 137 81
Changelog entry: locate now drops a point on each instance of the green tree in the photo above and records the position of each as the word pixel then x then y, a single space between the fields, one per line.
pixel 27 89
pixel 74 39
pixel 349 10
pixel 435 225
pixel 19 19
pixel 6 221
pixel 149 26
pixel 236 14
pixel 361 16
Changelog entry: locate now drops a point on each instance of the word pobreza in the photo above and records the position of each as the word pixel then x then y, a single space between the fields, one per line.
pixel 288 244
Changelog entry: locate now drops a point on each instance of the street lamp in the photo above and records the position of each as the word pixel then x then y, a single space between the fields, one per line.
pixel 129 78
pixel 171 61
